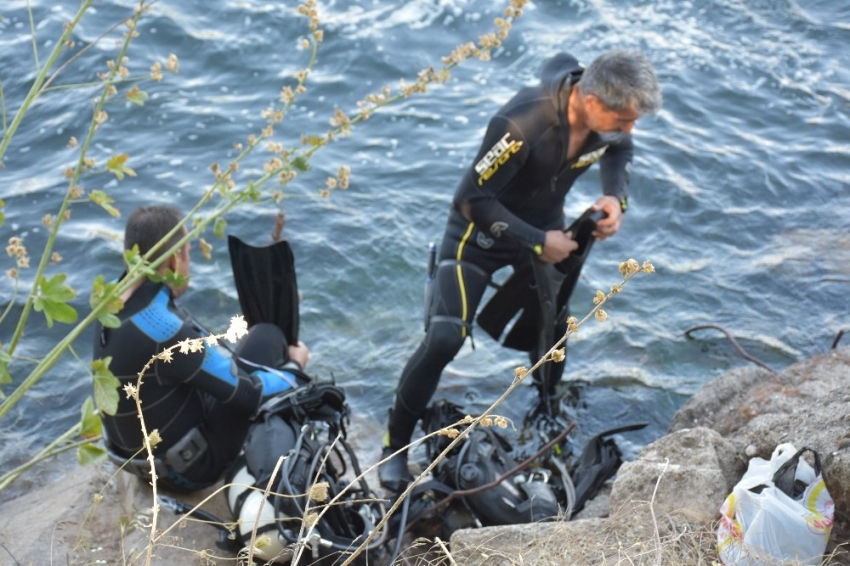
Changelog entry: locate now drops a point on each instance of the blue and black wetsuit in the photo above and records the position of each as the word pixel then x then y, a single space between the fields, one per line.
pixel 200 402
pixel 511 195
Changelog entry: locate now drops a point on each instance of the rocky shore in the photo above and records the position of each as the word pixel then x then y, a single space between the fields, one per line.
pixel 662 508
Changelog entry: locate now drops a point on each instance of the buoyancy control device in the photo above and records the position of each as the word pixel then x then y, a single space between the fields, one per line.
pixel 319 509
pixel 481 468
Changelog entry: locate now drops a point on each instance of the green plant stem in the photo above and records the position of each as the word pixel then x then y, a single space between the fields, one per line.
pixel 26 359
pixel 3 110
pixel 132 276
pixel 44 364
pixel 54 229
pixel 79 54
pixel 263 501
pixel 35 89
pixel 91 84
pixel 52 449
pixel 86 367
pixel 133 273
pixel 32 30
pixel 11 302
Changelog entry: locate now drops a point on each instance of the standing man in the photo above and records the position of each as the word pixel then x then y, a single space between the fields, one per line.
pixel 201 402
pixel 509 206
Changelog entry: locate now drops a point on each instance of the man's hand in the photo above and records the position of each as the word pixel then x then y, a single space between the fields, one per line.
pixel 299 353
pixel 558 246
pixel 609 225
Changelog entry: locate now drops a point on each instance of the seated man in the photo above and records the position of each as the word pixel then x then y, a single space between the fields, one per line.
pixel 200 402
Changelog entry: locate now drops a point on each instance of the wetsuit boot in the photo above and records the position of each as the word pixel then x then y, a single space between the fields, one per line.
pixel 393 474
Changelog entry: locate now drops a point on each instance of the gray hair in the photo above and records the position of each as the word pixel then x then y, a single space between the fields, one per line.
pixel 622 79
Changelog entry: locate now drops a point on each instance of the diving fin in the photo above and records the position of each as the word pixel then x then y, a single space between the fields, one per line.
pixel 266 284
pixel 529 331
pixel 582 230
pixel 518 294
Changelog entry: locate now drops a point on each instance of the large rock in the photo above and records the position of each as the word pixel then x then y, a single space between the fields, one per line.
pixel 664 503
pixel 806 405
pixel 692 470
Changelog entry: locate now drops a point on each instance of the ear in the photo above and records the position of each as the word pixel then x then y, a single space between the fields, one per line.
pixel 592 101
pixel 171 263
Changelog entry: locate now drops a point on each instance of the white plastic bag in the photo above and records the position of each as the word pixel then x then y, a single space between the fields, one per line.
pixel 765 521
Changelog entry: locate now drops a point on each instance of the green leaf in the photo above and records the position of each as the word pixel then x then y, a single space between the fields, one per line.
pixel 109 320
pixel 105 386
pixel 252 192
pixel 52 299
pixel 90 424
pixel 106 314
pixel 219 226
pixel 54 288
pixel 2 214
pixel 117 166
pixel 60 312
pixel 174 279
pixel 89 454
pixel 104 201
pixel 133 259
pixel 301 163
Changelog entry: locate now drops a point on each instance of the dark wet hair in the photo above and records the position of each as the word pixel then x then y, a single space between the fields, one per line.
pixel 148 225
pixel 622 79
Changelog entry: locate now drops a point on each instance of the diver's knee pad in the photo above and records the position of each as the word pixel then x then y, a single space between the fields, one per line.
pixel 445 336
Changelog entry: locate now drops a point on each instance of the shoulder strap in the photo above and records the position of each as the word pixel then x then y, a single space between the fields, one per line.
pixel 320 401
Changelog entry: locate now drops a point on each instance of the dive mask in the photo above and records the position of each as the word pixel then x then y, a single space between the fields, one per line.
pixel 613 137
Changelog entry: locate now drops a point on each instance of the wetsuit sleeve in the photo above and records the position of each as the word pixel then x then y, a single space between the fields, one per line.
pixel 501 158
pixel 211 370
pixel 615 168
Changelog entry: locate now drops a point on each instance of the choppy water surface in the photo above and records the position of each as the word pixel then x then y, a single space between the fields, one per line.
pixel 739 195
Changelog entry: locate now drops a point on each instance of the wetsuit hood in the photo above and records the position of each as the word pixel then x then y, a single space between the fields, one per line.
pixel 560 70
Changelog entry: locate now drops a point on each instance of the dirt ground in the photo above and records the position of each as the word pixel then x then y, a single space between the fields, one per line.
pixel 60 523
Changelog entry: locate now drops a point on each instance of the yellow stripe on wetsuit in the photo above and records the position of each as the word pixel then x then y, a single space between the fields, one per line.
pixel 464 306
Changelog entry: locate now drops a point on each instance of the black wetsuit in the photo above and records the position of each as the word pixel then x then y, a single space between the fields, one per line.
pixel 200 402
pixel 511 195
